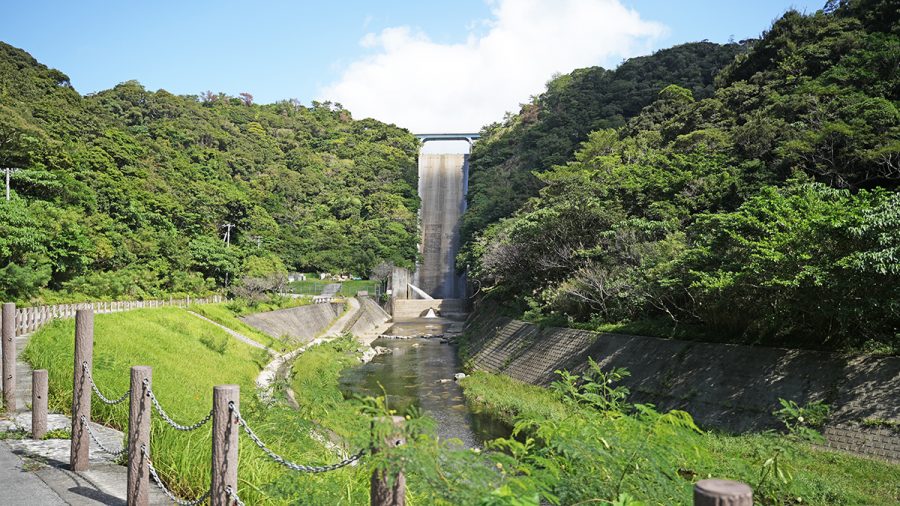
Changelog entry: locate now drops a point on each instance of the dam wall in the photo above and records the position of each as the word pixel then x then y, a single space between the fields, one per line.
pixel 442 188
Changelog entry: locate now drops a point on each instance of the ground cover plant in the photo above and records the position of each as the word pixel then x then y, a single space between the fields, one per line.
pixel 585 444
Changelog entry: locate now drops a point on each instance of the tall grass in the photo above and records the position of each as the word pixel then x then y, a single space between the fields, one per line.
pixel 185 368
pixel 587 455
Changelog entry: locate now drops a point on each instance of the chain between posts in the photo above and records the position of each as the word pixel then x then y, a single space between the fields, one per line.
pixel 286 463
pixel 96 390
pixel 233 496
pixel 96 439
pixel 168 419
pixel 159 483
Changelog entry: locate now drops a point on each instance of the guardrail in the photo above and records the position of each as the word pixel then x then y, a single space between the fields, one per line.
pixel 29 319
pixel 227 423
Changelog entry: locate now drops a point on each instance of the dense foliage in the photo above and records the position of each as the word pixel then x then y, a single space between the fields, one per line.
pixel 766 212
pixel 581 442
pixel 125 192
pixel 550 127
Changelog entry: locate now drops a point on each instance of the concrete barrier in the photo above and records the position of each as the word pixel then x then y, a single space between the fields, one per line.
pixel 301 324
pixel 405 309
pixel 728 386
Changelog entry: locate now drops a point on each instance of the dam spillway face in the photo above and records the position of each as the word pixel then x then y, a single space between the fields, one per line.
pixel 442 184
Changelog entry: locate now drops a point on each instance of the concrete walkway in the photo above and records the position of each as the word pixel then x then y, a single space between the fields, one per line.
pixel 237 335
pixel 35 472
pixel 337 328
pixel 20 484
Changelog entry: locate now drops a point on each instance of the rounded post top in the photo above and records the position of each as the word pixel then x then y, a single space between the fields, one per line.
pixel 736 492
pixel 9 305
pixel 226 388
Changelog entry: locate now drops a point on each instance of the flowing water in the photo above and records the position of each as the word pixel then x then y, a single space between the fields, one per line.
pixel 416 374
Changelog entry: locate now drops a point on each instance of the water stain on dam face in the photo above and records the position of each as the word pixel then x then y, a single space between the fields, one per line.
pixel 442 188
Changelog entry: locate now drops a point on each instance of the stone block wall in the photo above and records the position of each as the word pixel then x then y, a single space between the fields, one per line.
pixel 731 387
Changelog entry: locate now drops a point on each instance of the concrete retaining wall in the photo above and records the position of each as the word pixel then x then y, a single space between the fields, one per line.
pixel 732 387
pixel 299 323
pixel 414 308
pixel 369 317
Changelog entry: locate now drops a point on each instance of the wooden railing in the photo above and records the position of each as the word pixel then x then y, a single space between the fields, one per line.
pixel 29 319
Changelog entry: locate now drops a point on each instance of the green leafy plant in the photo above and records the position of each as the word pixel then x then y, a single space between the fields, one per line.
pixel 595 388
pixel 803 421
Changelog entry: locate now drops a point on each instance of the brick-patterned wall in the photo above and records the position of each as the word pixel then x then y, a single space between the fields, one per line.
pixel 883 442
pixel 732 387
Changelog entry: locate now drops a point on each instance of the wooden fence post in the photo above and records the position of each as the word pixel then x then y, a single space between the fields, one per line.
pixel 9 356
pixel 722 493
pixel 138 488
pixel 81 390
pixel 39 386
pixel 224 444
pixel 382 491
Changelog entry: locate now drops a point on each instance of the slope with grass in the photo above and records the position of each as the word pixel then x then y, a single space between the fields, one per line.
pixel 586 444
pixel 189 356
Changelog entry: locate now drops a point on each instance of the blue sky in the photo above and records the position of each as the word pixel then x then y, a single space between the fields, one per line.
pixel 312 50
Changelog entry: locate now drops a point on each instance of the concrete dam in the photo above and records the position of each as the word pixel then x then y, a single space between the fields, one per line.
pixel 443 180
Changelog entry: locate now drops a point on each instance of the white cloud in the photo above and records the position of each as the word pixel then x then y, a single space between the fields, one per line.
pixel 422 85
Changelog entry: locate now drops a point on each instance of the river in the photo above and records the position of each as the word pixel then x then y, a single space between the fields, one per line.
pixel 416 374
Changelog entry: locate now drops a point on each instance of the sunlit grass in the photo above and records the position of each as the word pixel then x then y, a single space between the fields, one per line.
pixel 183 351
pixel 811 475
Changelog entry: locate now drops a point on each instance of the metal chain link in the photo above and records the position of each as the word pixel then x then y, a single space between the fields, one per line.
pixel 96 439
pixel 159 483
pixel 168 419
pixel 286 463
pixel 96 390
pixel 233 495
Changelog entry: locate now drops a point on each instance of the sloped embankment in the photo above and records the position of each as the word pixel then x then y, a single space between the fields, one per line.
pixel 301 324
pixel 733 387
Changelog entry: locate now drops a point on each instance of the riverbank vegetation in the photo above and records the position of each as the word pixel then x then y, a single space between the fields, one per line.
pixel 764 211
pixel 583 442
pixel 129 192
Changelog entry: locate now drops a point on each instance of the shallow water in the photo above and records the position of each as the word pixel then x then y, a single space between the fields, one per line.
pixel 411 376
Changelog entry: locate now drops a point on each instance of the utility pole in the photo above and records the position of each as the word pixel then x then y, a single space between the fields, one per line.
pixel 9 171
pixel 258 239
pixel 227 236
pixel 227 239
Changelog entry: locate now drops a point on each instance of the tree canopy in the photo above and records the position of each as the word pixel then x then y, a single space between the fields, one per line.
pixel 125 192
pixel 763 211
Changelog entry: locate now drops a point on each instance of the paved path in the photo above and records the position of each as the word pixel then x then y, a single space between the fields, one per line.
pixel 237 335
pixel 36 472
pixel 20 486
pixel 277 368
pixel 337 328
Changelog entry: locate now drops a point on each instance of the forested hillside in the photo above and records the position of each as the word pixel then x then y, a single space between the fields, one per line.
pixel 764 212
pixel 547 131
pixel 126 192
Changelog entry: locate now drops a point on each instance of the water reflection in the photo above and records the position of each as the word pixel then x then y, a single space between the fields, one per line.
pixel 417 374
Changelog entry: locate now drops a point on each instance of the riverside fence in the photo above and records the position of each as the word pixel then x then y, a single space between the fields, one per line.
pixel 29 319
pixel 227 424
